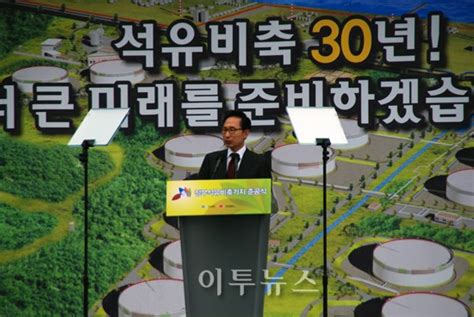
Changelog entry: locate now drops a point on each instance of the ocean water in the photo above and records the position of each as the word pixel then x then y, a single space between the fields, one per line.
pixel 454 10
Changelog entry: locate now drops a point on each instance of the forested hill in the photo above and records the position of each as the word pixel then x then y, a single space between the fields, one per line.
pixel 18 26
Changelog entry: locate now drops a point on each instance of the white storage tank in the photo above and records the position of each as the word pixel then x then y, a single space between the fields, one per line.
pixel 356 136
pixel 155 298
pixel 109 72
pixel 298 160
pixel 172 260
pixel 26 77
pixel 413 263
pixel 230 91
pixel 460 187
pixel 189 150
pixel 424 305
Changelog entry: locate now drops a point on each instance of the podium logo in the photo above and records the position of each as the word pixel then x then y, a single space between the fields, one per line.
pixel 182 192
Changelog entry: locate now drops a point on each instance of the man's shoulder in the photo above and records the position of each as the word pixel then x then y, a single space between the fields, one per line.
pixel 212 161
pixel 250 154
pixel 216 154
pixel 255 165
pixel 253 155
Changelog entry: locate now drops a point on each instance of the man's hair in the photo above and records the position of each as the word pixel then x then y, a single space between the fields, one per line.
pixel 245 122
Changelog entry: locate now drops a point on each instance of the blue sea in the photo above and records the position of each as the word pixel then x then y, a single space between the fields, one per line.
pixel 454 10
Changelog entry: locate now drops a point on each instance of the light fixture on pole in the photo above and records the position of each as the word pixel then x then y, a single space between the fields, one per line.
pixel 320 127
pixel 97 129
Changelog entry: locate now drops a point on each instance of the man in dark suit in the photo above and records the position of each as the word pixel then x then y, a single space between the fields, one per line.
pixel 227 243
pixel 236 161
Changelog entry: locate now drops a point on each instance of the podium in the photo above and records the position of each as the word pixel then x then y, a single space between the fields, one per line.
pixel 224 227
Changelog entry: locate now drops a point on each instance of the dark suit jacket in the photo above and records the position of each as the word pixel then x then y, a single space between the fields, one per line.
pixel 252 166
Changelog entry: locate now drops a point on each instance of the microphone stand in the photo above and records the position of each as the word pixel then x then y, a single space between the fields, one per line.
pixel 84 158
pixel 324 143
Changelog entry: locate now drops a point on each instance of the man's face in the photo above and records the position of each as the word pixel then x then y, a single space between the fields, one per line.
pixel 234 136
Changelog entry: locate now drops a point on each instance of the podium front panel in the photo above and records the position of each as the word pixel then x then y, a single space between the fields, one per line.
pixel 217 249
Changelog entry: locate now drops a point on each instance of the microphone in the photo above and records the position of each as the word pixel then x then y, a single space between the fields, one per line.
pixel 216 167
pixel 237 159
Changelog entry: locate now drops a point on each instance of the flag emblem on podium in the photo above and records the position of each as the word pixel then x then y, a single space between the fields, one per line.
pixel 182 192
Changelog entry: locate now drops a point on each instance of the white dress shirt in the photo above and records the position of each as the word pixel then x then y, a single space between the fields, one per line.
pixel 241 155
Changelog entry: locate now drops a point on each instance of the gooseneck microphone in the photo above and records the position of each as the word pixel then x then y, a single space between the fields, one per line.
pixel 237 159
pixel 216 167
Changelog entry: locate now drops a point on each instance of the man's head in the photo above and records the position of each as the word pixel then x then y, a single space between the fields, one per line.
pixel 235 129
